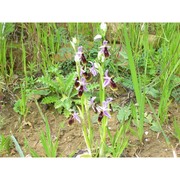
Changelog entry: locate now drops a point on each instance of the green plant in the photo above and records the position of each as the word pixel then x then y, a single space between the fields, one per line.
pixel 61 91
pixel 140 96
pixel 5 30
pixel 123 113
pixel 176 129
pixel 21 104
pixel 50 146
pixel 5 144
pixel 119 141
pixel 17 146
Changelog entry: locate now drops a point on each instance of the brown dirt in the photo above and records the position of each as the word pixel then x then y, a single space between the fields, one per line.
pixel 71 139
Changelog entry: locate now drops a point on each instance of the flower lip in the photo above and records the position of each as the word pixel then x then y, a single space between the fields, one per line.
pixel 77 82
pixel 113 85
pixel 82 87
pixel 100 117
pixel 83 59
pixel 80 55
pixel 104 49
pixel 74 117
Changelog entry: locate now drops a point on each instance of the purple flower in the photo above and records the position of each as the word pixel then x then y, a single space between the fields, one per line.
pixel 80 54
pixel 109 81
pixel 92 104
pixel 93 69
pixel 74 117
pixel 82 71
pixel 82 86
pixel 103 110
pixel 108 100
pixel 104 49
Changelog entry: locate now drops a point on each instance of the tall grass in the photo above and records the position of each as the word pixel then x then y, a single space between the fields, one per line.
pixel 136 79
pixel 169 66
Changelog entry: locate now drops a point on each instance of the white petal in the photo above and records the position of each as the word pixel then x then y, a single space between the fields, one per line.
pixel 74 40
pixel 103 26
pixel 97 37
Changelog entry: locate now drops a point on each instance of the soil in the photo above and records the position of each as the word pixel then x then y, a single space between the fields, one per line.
pixel 71 138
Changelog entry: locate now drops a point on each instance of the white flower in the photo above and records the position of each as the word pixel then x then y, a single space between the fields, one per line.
pixel 97 37
pixel 103 26
pixel 77 58
pixel 74 40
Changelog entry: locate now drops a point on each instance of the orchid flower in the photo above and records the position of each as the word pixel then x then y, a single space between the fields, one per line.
pixel 74 117
pixel 104 49
pixel 92 104
pixel 103 110
pixel 82 86
pixel 93 69
pixel 80 54
pixel 109 81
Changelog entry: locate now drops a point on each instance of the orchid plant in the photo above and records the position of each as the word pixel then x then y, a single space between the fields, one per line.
pixel 84 75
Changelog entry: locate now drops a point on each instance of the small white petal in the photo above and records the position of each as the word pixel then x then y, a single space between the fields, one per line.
pixel 74 40
pixel 97 37
pixel 103 26
pixel 77 59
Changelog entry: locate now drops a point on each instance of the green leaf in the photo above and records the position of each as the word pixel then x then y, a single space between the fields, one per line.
pixel 124 113
pixel 50 99
pixel 156 127
pixel 17 146
pixel 58 104
pixel 69 83
pixel 151 91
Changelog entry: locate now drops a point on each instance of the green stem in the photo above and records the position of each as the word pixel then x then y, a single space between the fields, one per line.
pixel 103 132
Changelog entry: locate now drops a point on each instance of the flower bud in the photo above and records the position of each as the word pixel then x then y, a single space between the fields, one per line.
pixel 103 26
